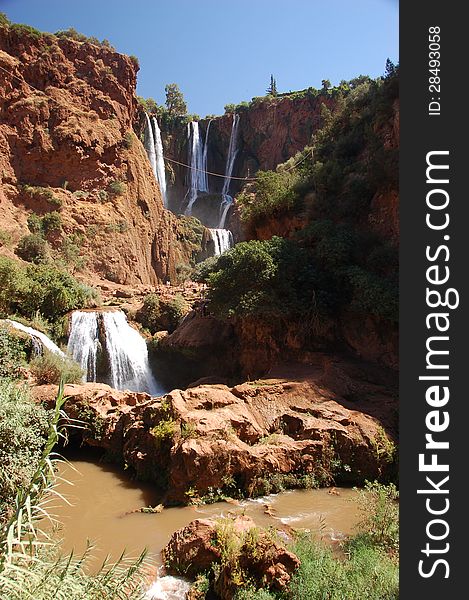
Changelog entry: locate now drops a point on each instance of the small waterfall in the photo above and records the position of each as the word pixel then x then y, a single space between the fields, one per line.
pixel 230 160
pixel 198 180
pixel 83 342
pixel 167 587
pixel 37 338
pixel 106 338
pixel 149 143
pixel 223 240
pixel 160 170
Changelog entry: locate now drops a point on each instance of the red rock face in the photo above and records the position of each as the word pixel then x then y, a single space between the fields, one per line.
pixel 194 441
pixel 66 124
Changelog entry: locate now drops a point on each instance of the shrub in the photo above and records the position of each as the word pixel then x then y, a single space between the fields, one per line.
pixel 117 187
pixel 285 284
pixel 160 313
pixel 128 139
pixel 134 61
pixel 202 270
pixel 40 288
pixel 51 222
pixel 164 430
pixel 379 507
pixel 172 311
pixel 52 368
pixel 33 248
pixel 149 314
pixel 13 352
pixel 5 238
pixel 103 196
pixel 23 428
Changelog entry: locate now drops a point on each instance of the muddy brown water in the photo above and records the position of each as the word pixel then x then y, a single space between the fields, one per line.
pixel 102 497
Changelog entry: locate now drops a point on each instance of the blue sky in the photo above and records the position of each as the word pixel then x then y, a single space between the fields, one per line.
pixel 220 52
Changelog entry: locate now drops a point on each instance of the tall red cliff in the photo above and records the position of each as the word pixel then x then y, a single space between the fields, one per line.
pixel 67 144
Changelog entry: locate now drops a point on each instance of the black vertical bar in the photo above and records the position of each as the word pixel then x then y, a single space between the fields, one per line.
pixel 422 131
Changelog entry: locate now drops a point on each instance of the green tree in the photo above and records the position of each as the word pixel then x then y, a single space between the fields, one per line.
pixel 272 89
pixel 175 100
pixel 326 84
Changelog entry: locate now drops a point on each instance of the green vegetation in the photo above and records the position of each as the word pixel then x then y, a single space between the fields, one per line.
pixel 158 314
pixel 52 368
pixel 175 103
pixel 36 570
pixel 367 569
pixel 14 351
pixel 5 238
pixel 73 34
pixel 128 139
pixel 117 188
pixel 164 430
pixel 328 187
pixel 272 89
pixel 23 429
pixel 39 193
pixel 33 248
pixel 40 288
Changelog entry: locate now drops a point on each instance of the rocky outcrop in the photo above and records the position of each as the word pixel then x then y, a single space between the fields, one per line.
pixel 250 439
pixel 67 144
pixel 242 551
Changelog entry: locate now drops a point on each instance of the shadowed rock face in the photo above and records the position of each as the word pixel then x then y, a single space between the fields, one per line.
pixel 240 439
pixel 66 113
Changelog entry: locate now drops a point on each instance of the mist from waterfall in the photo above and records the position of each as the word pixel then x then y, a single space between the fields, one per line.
pixel 222 239
pixel 160 168
pixel 98 338
pixel 198 180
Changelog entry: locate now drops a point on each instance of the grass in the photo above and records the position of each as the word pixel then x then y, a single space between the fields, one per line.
pixel 30 564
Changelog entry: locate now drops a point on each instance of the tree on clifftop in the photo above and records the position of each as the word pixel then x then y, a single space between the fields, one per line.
pixel 272 89
pixel 175 100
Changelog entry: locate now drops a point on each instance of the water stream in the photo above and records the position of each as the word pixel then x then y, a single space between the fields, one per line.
pixel 103 498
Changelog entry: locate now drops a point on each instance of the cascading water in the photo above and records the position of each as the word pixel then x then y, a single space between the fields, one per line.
pixel 167 587
pixel 198 180
pixel 149 143
pixel 160 169
pixel 83 342
pixel 36 336
pixel 227 200
pixel 223 240
pixel 107 338
pixel 204 158
pixel 154 148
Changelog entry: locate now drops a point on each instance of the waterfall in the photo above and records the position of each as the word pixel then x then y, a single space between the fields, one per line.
pixel 160 170
pixel 149 143
pixel 198 180
pixel 36 335
pixel 232 152
pixel 83 342
pixel 106 338
pixel 223 240
pixel 167 587
pixel 230 160
pixel 204 158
